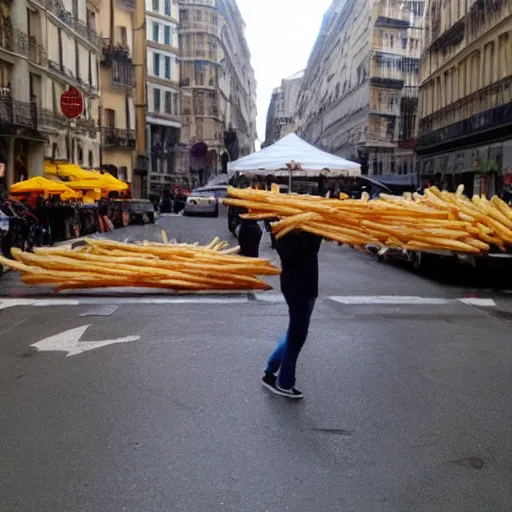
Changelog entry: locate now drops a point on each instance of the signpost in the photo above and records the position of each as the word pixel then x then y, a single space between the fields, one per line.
pixel 72 106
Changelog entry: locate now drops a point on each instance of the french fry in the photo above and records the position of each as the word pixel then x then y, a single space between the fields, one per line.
pixel 105 263
pixel 435 220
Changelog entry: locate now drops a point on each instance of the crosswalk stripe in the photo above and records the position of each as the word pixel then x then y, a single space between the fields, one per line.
pixel 345 300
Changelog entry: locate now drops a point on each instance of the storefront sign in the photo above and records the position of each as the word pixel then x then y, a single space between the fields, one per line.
pixel 72 103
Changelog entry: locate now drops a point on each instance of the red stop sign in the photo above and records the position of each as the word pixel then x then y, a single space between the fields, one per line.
pixel 72 103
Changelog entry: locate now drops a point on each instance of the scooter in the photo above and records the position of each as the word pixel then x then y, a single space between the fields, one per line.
pixel 23 229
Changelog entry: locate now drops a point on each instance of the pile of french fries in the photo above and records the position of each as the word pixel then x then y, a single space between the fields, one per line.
pixel 170 265
pixel 435 221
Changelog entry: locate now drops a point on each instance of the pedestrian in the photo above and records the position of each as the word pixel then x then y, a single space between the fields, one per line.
pixel 249 237
pixel 298 252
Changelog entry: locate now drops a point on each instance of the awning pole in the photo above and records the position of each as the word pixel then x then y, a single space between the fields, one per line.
pixel 289 180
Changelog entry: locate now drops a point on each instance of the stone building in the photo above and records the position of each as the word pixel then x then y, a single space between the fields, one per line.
pixel 281 109
pixel 118 140
pixel 218 88
pixel 163 95
pixel 47 46
pixel 359 93
pixel 465 130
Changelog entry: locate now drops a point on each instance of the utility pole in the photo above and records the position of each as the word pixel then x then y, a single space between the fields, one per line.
pixel 141 72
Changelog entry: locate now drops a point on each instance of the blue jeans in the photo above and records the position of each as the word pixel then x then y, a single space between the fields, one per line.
pixel 284 358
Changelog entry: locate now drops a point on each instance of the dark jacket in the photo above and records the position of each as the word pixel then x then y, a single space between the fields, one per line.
pixel 298 251
pixel 249 237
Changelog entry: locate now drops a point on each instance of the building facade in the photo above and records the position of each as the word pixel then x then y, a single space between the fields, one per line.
pixel 118 141
pixel 218 88
pixel 163 94
pixel 281 110
pixel 465 130
pixel 47 46
pixel 359 94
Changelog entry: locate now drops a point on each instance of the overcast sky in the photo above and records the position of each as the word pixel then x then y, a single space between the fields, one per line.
pixel 280 34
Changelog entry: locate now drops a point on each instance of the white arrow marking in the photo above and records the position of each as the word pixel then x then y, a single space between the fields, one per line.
pixel 69 341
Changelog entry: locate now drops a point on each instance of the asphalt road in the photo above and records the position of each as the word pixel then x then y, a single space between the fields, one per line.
pixel 407 380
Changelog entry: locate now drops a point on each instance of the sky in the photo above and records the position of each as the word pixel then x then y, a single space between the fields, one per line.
pixel 280 35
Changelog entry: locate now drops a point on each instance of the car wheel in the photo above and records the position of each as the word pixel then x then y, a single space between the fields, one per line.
pixel 419 260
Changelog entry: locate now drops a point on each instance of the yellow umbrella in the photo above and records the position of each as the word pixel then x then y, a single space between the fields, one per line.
pixel 86 184
pixel 114 183
pixel 70 194
pixel 38 184
pixel 73 172
pixel 50 169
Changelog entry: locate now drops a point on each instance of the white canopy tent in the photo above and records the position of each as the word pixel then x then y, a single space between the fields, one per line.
pixel 313 161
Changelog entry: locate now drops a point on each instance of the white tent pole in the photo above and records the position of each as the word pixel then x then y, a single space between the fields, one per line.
pixel 290 180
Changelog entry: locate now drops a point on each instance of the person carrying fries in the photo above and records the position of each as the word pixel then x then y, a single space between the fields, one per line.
pixel 298 251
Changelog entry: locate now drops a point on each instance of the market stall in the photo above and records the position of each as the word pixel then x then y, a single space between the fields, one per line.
pixel 292 156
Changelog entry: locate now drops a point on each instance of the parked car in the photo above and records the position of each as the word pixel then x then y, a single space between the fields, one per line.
pixel 205 200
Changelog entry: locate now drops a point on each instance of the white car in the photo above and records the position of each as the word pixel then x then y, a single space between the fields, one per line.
pixel 205 200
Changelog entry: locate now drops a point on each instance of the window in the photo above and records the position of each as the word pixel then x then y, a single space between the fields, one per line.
pixel 61 56
pixel 168 67
pixel 167 7
pixel 156 100
pixel 167 35
pixel 122 35
pixel 168 102
pixel 156 5
pixel 77 60
pixel 176 105
pixel 156 31
pixel 156 64
pixel 110 118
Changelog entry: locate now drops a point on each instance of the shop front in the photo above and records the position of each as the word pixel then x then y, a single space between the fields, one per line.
pixel 482 170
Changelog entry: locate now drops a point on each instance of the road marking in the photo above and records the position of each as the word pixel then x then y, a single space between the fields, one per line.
pixel 69 341
pixel 481 303
pixel 9 303
pixel 269 298
pixel 398 300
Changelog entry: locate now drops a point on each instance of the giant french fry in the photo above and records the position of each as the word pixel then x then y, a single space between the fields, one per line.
pixel 167 264
pixel 436 220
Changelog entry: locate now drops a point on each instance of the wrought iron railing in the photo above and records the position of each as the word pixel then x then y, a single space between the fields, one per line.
pixel 114 51
pixel 87 32
pixel 23 44
pixel 118 138
pixel 87 126
pixel 494 95
pixel 47 117
pixel 17 113
pixel 128 4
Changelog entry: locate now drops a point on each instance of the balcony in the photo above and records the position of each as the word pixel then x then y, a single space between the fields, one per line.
pixel 385 110
pixel 392 17
pixel 488 109
pixel 15 113
pixel 22 44
pixel 128 4
pixel 50 119
pixel 83 30
pixel 87 127
pixel 117 138
pixel 410 91
pixel 114 51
